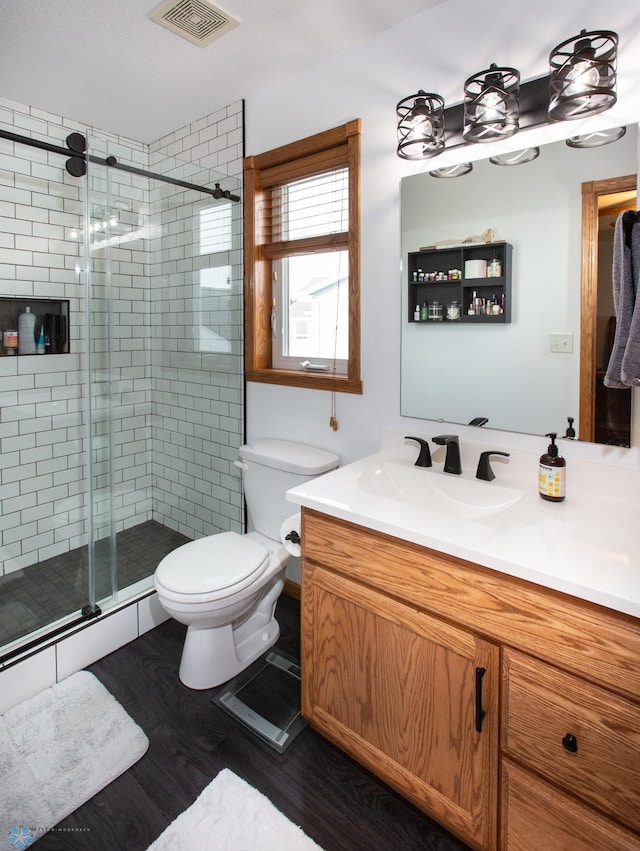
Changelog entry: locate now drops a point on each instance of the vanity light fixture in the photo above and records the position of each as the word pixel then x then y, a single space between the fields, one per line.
pixel 420 126
pixel 583 75
pixel 452 170
pixel 516 157
pixel 497 105
pixel 596 138
pixel 491 106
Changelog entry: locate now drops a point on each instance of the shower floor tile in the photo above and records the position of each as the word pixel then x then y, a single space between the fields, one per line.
pixel 44 592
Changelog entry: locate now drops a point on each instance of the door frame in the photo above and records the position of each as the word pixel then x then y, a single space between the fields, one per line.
pixel 589 294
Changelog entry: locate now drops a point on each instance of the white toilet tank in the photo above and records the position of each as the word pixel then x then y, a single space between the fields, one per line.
pixel 270 467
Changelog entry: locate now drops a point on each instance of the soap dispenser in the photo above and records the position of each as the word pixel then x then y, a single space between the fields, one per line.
pixel 552 477
pixel 570 433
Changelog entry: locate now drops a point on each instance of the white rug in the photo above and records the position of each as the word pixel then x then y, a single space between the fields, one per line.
pixel 230 815
pixel 57 750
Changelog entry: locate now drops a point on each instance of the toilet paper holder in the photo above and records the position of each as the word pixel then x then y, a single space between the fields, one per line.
pixel 293 537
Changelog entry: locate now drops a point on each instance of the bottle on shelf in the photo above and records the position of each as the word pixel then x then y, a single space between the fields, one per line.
pixel 435 311
pixel 40 344
pixel 494 268
pixel 26 332
pixel 10 341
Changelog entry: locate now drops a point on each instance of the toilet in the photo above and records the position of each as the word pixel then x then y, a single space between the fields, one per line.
pixel 225 587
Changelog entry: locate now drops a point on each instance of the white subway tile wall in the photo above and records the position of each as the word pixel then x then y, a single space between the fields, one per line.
pixel 197 334
pixel 173 383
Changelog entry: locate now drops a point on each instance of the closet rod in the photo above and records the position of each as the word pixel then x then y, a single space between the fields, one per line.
pixel 112 162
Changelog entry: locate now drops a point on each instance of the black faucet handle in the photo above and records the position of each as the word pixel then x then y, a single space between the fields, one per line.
pixel 484 470
pixel 424 456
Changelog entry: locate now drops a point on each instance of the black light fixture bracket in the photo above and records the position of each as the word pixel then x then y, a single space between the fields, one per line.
pixel 534 102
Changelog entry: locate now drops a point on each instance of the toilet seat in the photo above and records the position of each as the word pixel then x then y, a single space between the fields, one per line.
pixel 211 568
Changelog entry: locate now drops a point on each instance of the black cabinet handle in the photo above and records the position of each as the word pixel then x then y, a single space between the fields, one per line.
pixel 570 742
pixel 480 713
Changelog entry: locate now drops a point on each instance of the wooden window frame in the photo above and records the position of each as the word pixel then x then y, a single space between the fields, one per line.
pixel 336 147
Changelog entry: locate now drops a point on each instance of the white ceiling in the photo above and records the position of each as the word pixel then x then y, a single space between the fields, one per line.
pixel 103 63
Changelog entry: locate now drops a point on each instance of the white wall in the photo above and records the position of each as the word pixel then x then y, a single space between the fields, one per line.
pixel 435 51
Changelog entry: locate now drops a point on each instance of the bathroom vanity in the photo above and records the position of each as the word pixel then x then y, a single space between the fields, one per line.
pixel 508 709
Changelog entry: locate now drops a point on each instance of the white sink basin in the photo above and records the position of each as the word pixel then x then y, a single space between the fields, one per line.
pixel 441 492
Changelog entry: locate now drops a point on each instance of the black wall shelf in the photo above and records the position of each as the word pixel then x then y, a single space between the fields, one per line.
pixel 428 262
pixel 51 313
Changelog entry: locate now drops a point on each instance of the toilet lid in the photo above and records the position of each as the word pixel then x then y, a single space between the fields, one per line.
pixel 212 564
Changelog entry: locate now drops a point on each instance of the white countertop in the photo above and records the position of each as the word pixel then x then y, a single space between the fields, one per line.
pixel 587 546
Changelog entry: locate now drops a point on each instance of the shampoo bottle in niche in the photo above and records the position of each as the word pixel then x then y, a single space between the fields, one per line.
pixel 553 471
pixel 26 333
pixel 40 345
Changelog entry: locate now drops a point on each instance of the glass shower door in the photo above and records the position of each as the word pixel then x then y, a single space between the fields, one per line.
pixel 56 552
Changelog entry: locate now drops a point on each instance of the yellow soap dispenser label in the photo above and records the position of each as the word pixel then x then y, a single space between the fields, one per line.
pixel 552 480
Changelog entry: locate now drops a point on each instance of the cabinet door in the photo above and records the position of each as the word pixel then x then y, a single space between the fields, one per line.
pixel 408 695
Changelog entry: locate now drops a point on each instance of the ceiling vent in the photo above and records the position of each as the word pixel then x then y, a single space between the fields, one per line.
pixel 198 21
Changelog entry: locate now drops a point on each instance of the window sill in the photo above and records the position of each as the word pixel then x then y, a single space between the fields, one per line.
pixel 314 381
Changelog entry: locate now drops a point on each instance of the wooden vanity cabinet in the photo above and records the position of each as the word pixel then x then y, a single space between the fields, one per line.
pixel 410 696
pixel 393 638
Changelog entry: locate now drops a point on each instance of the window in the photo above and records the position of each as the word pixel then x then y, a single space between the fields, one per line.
pixel 302 262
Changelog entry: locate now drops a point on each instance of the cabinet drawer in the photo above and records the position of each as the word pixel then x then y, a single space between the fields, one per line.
pixel 581 737
pixel 535 815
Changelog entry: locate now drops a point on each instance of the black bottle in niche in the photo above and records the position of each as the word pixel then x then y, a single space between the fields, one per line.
pixel 55 333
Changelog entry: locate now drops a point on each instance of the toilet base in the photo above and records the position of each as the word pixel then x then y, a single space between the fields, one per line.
pixel 212 656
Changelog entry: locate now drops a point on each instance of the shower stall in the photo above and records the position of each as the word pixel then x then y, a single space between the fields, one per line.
pixel 118 436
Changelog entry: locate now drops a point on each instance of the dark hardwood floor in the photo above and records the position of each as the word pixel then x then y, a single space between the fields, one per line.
pixel 338 804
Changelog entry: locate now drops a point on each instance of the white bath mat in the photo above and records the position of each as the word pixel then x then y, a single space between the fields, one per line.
pixel 230 815
pixel 57 750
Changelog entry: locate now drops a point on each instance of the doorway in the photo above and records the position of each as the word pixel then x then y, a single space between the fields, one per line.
pixel 605 413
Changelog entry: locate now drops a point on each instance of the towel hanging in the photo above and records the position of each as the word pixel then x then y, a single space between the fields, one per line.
pixel 624 364
pixel 629 218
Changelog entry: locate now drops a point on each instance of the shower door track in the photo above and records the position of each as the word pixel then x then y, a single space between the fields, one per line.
pixel 111 162
pixel 88 613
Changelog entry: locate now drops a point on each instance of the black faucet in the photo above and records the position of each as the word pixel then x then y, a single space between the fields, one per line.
pixel 484 470
pixel 452 463
pixel 424 458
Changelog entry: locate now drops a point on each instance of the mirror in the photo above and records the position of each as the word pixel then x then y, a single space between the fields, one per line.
pixel 506 372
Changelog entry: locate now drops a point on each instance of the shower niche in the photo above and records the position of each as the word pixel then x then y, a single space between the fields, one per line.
pixel 51 317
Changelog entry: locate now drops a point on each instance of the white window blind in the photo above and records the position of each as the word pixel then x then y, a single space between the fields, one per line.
pixel 313 206
pixel 310 286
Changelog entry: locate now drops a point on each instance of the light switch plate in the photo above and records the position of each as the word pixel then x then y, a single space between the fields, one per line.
pixel 561 342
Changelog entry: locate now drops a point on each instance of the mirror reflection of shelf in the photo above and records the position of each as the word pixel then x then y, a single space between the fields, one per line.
pixel 438 276
pixel 51 318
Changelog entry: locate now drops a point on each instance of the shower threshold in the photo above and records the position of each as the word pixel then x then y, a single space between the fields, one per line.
pixel 49 596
